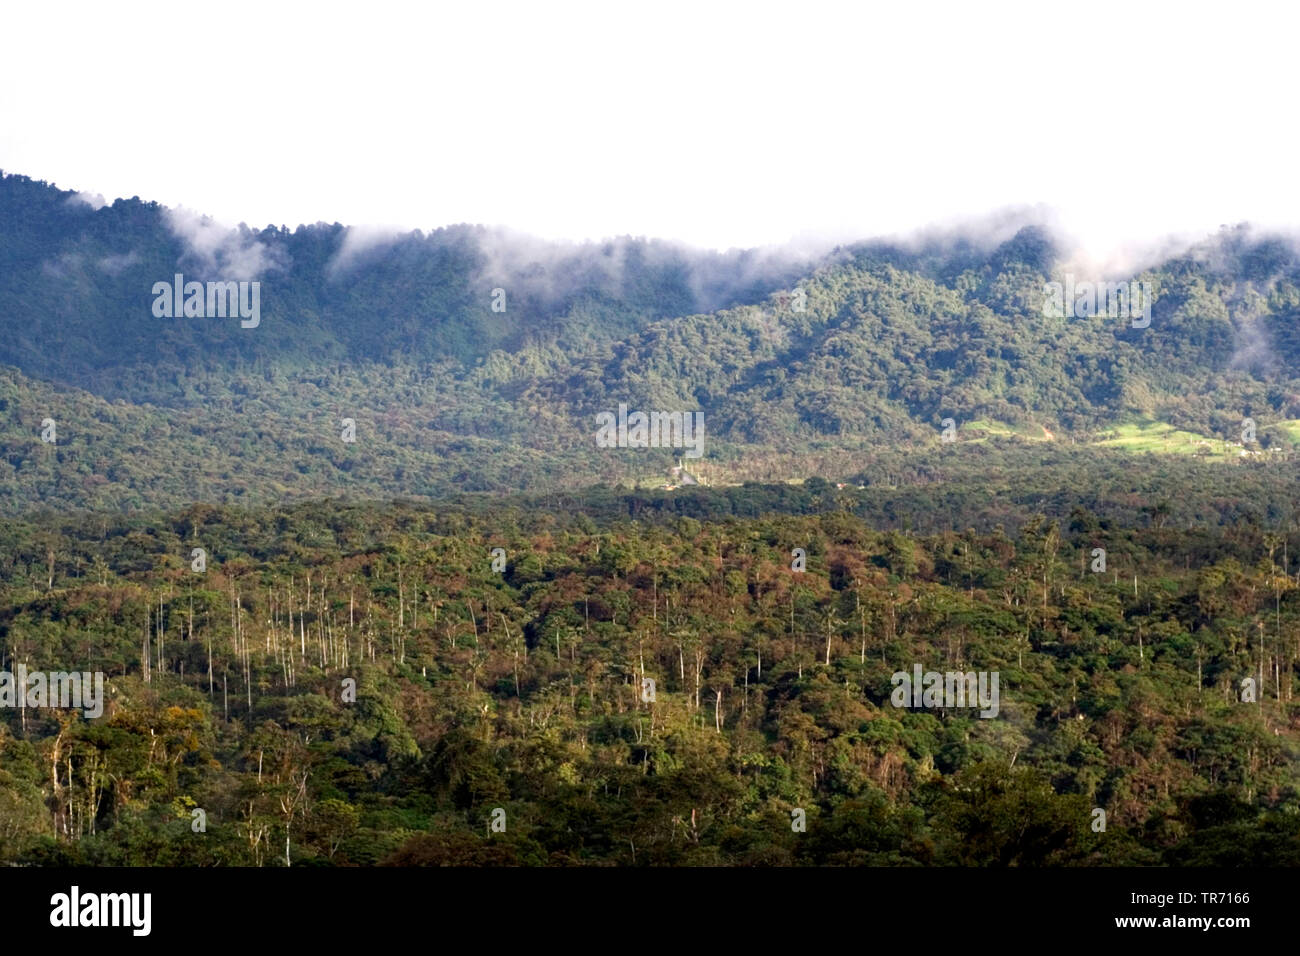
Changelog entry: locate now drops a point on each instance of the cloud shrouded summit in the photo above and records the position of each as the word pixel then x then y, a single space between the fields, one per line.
pixel 726 126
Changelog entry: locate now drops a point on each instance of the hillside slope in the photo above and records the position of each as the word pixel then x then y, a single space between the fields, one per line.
pixel 798 367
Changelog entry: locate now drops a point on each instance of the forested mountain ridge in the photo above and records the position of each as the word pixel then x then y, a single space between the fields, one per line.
pixel 76 284
pixel 798 366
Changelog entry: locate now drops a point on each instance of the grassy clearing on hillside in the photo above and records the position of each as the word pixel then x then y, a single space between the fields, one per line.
pixel 1149 436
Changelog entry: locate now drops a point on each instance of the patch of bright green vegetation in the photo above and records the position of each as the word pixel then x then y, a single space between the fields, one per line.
pixel 1161 438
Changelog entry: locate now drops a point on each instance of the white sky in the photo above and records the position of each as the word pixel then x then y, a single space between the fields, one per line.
pixel 718 124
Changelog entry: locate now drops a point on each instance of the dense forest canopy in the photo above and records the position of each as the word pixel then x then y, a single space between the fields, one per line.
pixel 520 691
